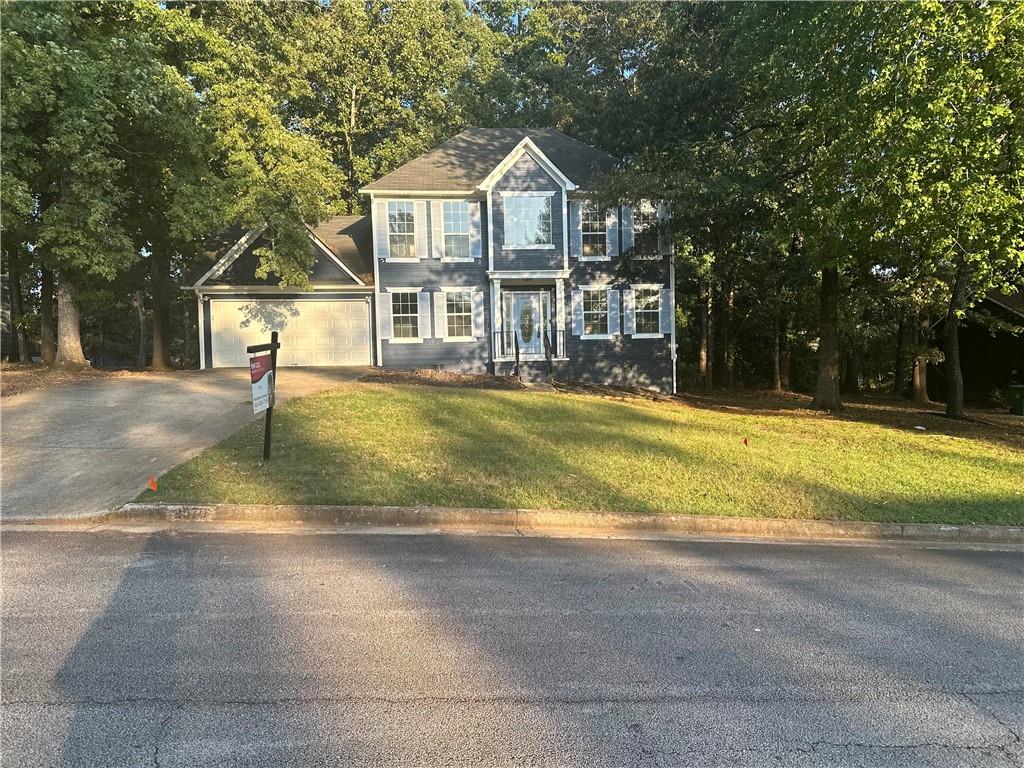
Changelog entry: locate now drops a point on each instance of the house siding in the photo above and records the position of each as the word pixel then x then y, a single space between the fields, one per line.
pixel 621 360
pixel 526 175
pixel 430 274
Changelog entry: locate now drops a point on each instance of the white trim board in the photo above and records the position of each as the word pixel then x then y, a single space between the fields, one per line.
pixel 330 254
pixel 526 146
pixel 231 255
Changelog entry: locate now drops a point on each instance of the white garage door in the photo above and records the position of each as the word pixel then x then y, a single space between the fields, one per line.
pixel 311 332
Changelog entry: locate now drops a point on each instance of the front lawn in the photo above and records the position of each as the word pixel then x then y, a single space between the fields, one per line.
pixel 411 445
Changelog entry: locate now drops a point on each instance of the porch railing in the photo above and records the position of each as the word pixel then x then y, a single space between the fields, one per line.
pixel 506 345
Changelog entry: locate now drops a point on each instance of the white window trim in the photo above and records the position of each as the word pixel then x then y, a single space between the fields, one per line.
pixel 469 233
pixel 401 259
pixel 607 256
pixel 528 193
pixel 595 336
pixel 446 289
pixel 656 256
pixel 651 287
pixel 526 146
pixel 418 339
pixel 505 246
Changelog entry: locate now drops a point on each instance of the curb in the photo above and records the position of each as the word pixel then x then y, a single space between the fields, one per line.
pixel 539 520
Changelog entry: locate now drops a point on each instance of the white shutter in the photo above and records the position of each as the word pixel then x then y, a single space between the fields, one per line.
pixel 667 310
pixel 382 249
pixel 613 312
pixel 384 314
pixel 576 227
pixel 664 238
pixel 474 229
pixel 628 312
pixel 611 235
pixel 440 315
pixel 420 228
pixel 437 229
pixel 627 229
pixel 423 307
pixel 478 314
pixel 577 312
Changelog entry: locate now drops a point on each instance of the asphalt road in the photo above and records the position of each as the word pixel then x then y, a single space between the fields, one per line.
pixel 86 448
pixel 229 649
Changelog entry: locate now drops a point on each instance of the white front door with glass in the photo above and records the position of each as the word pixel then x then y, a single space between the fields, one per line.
pixel 526 317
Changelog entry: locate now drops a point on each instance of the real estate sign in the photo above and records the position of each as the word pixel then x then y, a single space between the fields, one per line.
pixel 261 374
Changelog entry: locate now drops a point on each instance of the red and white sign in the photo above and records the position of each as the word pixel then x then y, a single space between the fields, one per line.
pixel 262 377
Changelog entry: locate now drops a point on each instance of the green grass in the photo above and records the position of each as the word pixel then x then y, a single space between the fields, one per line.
pixel 408 445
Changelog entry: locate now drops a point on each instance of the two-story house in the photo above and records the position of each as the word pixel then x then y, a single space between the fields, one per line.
pixel 482 254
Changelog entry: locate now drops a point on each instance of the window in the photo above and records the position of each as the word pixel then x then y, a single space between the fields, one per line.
pixel 459 311
pixel 527 222
pixel 647 307
pixel 645 231
pixel 595 244
pixel 456 230
pixel 595 312
pixel 401 229
pixel 405 315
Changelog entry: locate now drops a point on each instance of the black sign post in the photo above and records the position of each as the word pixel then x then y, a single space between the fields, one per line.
pixel 272 347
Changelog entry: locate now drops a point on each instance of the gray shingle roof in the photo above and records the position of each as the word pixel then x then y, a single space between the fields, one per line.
pixel 465 160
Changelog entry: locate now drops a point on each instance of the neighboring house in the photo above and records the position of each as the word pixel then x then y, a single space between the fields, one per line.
pixel 991 357
pixel 480 253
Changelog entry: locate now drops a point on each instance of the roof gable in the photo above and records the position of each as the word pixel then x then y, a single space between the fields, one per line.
pixel 340 248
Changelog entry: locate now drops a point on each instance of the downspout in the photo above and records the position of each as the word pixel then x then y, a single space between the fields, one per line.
pixel 378 344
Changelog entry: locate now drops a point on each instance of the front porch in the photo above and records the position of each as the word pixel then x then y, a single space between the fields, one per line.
pixel 529 321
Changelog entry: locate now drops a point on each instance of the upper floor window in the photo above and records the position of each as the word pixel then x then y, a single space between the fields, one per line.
pixel 405 315
pixel 456 229
pixel 527 221
pixel 645 231
pixel 647 307
pixel 594 224
pixel 459 314
pixel 401 229
pixel 595 312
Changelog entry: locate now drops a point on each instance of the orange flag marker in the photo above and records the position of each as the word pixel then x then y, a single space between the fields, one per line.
pixel 152 483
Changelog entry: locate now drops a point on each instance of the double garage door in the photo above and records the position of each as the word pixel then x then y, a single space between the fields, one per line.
pixel 311 331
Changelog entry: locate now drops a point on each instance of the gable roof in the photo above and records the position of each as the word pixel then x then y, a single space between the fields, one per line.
pixel 463 162
pixel 229 259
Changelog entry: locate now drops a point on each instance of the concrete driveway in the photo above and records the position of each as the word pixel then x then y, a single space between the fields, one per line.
pixel 88 447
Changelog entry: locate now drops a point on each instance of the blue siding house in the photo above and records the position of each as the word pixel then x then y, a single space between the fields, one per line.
pixel 481 255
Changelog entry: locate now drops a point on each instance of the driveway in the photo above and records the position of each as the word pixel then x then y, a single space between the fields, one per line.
pixel 88 447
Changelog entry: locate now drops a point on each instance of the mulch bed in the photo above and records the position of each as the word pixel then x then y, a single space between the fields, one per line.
pixel 431 378
pixel 16 378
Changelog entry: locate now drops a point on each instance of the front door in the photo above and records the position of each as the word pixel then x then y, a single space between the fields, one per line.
pixel 526 319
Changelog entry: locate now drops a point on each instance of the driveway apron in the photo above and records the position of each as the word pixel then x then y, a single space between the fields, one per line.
pixel 89 447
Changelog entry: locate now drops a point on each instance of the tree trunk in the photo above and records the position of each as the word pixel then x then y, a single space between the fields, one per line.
pixel 47 328
pixel 921 361
pixel 784 354
pixel 900 373
pixel 19 350
pixel 69 335
pixel 728 344
pixel 826 396
pixel 777 355
pixel 851 375
pixel 138 301
pixel 951 332
pixel 706 336
pixel 161 315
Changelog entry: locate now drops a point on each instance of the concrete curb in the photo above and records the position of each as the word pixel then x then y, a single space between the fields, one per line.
pixel 541 520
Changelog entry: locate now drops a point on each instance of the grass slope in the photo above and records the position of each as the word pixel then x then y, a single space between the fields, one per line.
pixel 407 445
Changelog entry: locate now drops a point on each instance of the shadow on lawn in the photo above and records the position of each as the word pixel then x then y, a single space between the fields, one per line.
pixel 895 413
